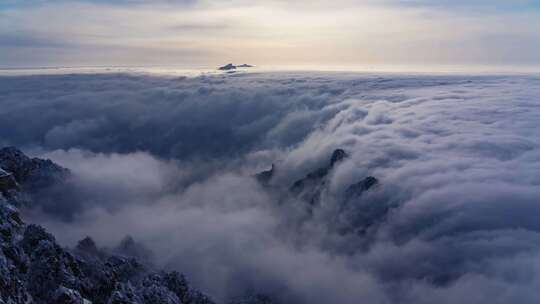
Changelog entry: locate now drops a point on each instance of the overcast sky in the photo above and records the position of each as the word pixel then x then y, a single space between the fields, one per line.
pixel 204 33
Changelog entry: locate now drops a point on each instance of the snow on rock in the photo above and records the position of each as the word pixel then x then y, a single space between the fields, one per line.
pixel 34 268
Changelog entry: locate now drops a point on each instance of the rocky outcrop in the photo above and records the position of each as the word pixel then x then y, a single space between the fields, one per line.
pixel 337 156
pixel 356 213
pixel 65 295
pixel 7 181
pixel 264 177
pixel 311 186
pixel 33 173
pixel 129 247
pixel 34 268
pixel 357 189
pixel 231 67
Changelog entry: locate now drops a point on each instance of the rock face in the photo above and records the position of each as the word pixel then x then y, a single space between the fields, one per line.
pixel 34 268
pixel 265 176
pixel 129 247
pixel 34 173
pixel 310 187
pixel 7 181
pixel 359 188
pixel 357 214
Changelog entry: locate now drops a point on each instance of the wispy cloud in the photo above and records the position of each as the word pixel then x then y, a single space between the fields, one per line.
pixel 276 32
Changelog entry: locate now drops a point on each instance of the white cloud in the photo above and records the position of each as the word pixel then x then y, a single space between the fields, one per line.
pixel 457 157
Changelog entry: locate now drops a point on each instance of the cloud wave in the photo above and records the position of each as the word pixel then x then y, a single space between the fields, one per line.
pixel 170 161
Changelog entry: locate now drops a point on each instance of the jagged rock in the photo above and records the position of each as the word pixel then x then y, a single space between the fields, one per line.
pixel 65 295
pixel 312 179
pixel 357 215
pixel 360 214
pixel 178 284
pixel 13 260
pixel 124 293
pixel 125 269
pixel 7 181
pixel 337 156
pixel 88 250
pixel 355 190
pixel 33 235
pixel 35 269
pixel 51 267
pixel 128 247
pixel 265 176
pixel 310 187
pixel 87 245
pixel 153 291
pixel 34 173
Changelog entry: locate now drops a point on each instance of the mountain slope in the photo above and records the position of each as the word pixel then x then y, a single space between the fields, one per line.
pixel 34 268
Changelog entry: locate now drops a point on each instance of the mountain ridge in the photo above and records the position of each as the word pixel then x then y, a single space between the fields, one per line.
pixel 34 268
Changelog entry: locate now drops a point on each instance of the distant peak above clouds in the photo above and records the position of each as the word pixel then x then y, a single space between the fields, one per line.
pixel 230 66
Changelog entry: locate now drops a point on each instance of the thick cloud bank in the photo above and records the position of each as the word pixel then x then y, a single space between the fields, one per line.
pixel 170 161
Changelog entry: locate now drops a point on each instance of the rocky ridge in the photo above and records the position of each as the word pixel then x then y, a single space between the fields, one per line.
pixel 310 187
pixel 34 268
pixel 361 214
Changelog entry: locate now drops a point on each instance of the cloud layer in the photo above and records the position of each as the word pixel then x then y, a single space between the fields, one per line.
pixel 203 33
pixel 170 160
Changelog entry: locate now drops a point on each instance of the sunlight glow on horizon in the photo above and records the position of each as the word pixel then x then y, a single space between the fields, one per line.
pixel 270 33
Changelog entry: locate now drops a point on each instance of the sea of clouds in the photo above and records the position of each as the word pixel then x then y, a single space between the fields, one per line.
pixel 170 161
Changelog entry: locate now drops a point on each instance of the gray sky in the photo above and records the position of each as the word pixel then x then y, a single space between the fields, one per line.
pixel 201 33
